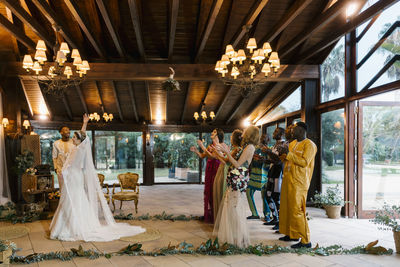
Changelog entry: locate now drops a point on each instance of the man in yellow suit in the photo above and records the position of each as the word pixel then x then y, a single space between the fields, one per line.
pixel 299 166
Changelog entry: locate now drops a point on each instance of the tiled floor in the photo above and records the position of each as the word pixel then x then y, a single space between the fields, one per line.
pixel 188 199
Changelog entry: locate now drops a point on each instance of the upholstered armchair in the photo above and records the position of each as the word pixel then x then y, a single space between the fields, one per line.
pixel 129 189
pixel 101 180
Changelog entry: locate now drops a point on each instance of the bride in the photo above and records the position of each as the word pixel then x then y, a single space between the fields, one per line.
pixel 83 213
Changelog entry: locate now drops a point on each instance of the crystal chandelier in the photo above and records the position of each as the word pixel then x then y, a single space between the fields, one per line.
pixel 60 75
pixel 242 69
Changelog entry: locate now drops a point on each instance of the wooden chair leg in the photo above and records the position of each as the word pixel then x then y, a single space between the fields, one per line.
pixel 113 204
pixel 121 205
pixel 136 202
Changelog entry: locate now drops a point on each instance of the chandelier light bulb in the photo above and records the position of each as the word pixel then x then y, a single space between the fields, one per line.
pixel 77 62
pixel 223 72
pixel 204 115
pixel 40 56
pixel 68 71
pixel 241 55
pixel 64 48
pixel 111 116
pixel 41 45
pixel 229 51
pixel 235 72
pixel 36 67
pixel 28 62
pixel 273 58
pixel 75 53
pixel 196 115
pixel 234 58
pixel 266 48
pixel 26 124
pixel 61 58
pixel 51 72
pixel 85 66
pixel 266 69
pixel 251 44
pixel 212 115
pixel 5 122
pixel 225 60
pixel 218 66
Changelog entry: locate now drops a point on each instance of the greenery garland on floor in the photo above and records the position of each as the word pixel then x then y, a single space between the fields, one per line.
pixel 161 217
pixel 209 247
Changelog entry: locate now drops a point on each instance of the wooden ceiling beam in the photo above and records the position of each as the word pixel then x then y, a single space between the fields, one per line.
pixel 76 13
pixel 67 107
pixel 17 53
pixel 133 102
pixel 133 8
pixel 82 98
pixel 248 21
pixel 101 103
pixel 110 27
pixel 236 108
pixel 172 27
pixel 366 29
pixel 52 17
pixel 114 89
pixel 294 11
pixel 260 99
pixel 27 19
pixel 17 33
pixel 148 103
pixel 224 99
pixel 158 72
pixel 348 27
pixel 212 85
pixel 212 17
pixel 188 90
pixel 316 25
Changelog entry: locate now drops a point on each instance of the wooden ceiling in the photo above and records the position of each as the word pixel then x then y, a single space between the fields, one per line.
pixel 188 34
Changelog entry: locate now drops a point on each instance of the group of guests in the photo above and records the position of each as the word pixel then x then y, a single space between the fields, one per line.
pixel 282 173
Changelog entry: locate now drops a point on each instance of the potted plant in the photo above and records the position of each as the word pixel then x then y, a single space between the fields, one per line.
pixel 54 199
pixel 332 201
pixel 387 217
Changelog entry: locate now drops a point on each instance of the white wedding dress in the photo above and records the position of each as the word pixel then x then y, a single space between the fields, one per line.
pixel 83 213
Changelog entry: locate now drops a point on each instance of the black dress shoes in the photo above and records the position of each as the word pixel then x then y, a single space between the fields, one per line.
pixel 273 222
pixel 301 245
pixel 252 217
pixel 288 239
pixel 276 227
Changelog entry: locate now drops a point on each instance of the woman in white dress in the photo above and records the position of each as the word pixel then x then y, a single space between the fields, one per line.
pixel 230 225
pixel 83 213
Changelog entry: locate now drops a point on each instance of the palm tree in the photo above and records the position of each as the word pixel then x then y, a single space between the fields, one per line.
pixel 332 67
pixel 391 47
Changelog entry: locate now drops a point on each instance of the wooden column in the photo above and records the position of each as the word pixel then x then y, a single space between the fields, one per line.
pixel 309 100
pixel 148 168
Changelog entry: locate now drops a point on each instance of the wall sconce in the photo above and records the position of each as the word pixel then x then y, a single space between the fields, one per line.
pixel 26 124
pixel 148 139
pixel 5 122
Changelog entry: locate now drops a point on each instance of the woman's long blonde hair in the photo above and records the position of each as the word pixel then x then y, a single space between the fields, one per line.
pixel 251 135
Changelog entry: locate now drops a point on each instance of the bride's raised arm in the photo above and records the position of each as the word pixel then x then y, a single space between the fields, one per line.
pixel 85 122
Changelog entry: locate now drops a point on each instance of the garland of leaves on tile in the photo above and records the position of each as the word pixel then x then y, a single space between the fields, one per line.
pixel 208 248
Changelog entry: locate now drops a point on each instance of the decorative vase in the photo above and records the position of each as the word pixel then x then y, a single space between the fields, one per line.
pixel 53 204
pixel 5 257
pixel 396 236
pixel 333 211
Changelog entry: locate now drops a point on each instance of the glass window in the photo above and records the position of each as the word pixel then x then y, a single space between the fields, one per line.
pixel 332 74
pixel 388 49
pixel 118 152
pixel 282 125
pixel 173 160
pixel 270 131
pixel 290 104
pixel 332 132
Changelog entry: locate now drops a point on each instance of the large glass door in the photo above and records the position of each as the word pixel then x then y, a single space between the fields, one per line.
pixel 379 155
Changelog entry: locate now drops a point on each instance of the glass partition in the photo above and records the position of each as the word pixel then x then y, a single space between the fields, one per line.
pixel 332 133
pixel 173 160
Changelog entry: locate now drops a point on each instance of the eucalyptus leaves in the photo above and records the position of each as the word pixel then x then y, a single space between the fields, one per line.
pixel 162 217
pixel 387 217
pixel 332 197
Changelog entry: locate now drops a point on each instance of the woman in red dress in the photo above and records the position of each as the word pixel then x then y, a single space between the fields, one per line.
pixel 217 136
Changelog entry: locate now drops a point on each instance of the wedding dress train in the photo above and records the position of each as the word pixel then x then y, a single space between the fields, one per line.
pixel 83 213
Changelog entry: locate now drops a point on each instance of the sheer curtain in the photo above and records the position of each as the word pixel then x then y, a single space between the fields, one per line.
pixel 4 188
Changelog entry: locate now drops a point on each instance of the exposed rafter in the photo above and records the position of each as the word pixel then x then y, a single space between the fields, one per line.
pixel 110 27
pixel 101 103
pixel 133 102
pixel 260 99
pixel 286 19
pixel 147 88
pixel 189 88
pixel 210 87
pixel 250 18
pixel 317 24
pixel 27 19
pixel 209 26
pixel 114 89
pixel 172 27
pixel 82 98
pixel 73 8
pixel 52 17
pixel 226 96
pixel 17 33
pixel 10 17
pixel 67 107
pixel 236 108
pixel 349 26
pixel 133 8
